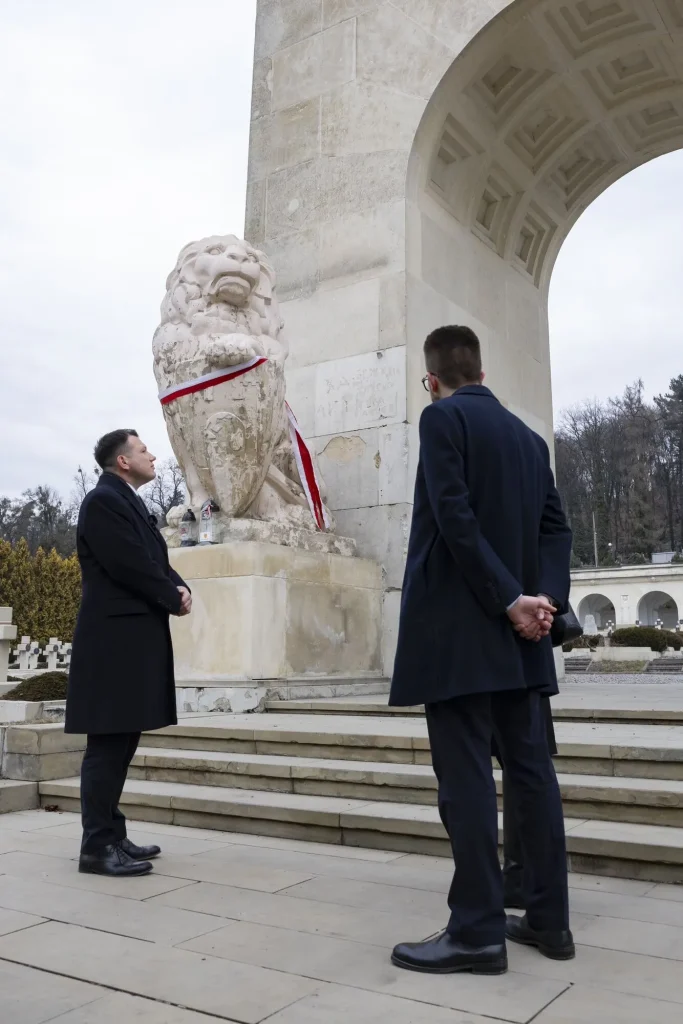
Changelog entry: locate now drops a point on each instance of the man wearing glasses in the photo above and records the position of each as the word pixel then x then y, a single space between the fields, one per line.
pixel 488 541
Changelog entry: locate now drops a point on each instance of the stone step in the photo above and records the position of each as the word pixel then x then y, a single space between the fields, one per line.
pixel 18 796
pixel 601 847
pixel 574 666
pixel 609 712
pixel 665 666
pixel 605 798
pixel 624 750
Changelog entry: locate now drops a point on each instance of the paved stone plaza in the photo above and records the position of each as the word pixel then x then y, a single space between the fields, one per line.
pixel 241 928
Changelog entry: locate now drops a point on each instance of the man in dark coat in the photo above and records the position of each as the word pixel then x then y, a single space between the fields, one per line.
pixel 121 680
pixel 487 567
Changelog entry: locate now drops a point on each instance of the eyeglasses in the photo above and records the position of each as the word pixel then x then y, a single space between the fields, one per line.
pixel 425 381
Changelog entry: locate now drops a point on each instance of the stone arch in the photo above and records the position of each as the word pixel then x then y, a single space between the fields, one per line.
pixel 550 103
pixel 657 606
pixel 600 607
pixel 417 162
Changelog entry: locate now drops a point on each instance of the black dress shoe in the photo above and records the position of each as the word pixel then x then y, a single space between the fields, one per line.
pixel 554 945
pixel 445 955
pixel 143 852
pixel 113 860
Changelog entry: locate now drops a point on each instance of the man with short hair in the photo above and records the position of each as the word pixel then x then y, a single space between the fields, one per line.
pixel 487 568
pixel 121 679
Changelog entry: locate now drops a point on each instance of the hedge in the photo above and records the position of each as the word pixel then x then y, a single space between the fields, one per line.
pixel 43 590
pixel 46 686
pixel 647 636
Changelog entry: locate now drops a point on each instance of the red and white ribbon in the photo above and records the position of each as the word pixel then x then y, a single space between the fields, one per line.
pixel 209 380
pixel 307 475
pixel 302 455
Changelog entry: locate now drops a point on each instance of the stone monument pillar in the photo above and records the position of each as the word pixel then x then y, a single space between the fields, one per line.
pixel 385 192
pixel 282 605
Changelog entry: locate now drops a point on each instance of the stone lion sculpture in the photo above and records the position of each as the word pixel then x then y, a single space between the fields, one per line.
pixel 231 437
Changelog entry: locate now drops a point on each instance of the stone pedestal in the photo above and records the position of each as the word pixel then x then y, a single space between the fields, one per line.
pixel 275 622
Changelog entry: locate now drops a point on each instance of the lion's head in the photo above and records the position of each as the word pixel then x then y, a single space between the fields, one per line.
pixel 221 269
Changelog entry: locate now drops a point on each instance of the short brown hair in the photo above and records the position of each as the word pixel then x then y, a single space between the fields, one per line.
pixel 453 354
pixel 109 447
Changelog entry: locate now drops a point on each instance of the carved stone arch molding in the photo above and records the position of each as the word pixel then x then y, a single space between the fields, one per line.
pixel 415 162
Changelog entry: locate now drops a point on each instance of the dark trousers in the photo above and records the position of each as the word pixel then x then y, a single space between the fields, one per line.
pixel 103 775
pixel 461 733
pixel 513 858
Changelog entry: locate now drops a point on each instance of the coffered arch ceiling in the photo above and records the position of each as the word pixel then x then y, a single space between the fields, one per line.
pixel 550 104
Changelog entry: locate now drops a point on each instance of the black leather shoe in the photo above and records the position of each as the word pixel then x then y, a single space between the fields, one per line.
pixel 445 955
pixel 144 852
pixel 113 860
pixel 554 945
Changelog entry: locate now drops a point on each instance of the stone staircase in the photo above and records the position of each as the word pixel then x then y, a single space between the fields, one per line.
pixel 577 663
pixel 358 773
pixel 670 665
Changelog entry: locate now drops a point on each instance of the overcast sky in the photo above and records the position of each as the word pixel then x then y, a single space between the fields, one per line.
pixel 124 135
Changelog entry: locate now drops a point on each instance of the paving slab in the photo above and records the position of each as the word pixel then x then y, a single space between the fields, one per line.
pixel 513 997
pixel 603 883
pixel 33 997
pixel 628 936
pixel 391 872
pixel 144 836
pixel 627 908
pixel 585 1004
pixel 371 895
pixel 134 918
pixel 12 920
pixel 242 874
pixel 338 1004
pixel 27 821
pixel 667 892
pixel 64 872
pixel 236 992
pixel 192 951
pixel 628 973
pixel 119 1008
pixel 359 924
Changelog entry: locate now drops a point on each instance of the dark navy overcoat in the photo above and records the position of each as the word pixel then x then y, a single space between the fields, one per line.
pixel 487 527
pixel 121 677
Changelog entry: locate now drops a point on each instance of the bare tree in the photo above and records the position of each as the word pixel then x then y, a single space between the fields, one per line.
pixel 618 461
pixel 83 482
pixel 166 491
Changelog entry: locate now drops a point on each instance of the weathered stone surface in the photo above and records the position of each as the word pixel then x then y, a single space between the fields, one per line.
pixel 360 392
pixel 423 58
pixel 232 442
pixel 35 997
pixel 268 612
pixel 365 966
pixel 17 796
pixel 285 138
pixel 314 65
pixel 381 528
pixel 279 23
pixel 34 767
pixel 333 323
pixel 241 993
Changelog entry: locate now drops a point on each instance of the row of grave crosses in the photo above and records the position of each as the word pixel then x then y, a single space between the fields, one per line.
pixel 26 655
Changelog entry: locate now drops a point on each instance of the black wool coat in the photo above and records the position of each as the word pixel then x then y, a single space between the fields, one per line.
pixel 487 527
pixel 121 677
